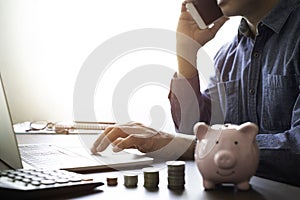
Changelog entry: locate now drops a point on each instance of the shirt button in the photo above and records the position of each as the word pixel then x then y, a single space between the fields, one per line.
pixel 256 54
pixel 252 91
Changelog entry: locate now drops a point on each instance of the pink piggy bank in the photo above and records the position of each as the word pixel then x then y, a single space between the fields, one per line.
pixel 226 154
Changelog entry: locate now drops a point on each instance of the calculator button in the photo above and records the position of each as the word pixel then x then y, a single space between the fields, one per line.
pixel 35 183
pixel 47 182
pixel 75 179
pixel 62 180
pixel 18 178
pixel 26 180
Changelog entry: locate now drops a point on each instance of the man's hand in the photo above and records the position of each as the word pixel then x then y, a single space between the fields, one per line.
pixel 189 27
pixel 131 135
pixel 190 38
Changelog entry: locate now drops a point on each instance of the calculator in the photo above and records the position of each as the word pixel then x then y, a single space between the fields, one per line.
pixel 40 183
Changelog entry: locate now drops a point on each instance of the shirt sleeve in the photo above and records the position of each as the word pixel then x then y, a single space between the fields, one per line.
pixel 188 104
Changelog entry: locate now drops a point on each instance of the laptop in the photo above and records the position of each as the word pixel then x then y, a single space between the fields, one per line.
pixel 52 156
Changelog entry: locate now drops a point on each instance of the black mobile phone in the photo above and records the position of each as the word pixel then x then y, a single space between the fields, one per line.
pixel 204 12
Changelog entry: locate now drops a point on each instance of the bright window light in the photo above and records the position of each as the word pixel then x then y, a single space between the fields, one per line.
pixel 44 44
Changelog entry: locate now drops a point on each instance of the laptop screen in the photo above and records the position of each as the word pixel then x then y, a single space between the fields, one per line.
pixel 9 152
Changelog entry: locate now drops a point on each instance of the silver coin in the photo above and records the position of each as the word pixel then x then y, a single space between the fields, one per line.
pixel 130 180
pixel 175 163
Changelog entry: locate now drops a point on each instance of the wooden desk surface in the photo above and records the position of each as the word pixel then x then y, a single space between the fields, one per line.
pixel 262 189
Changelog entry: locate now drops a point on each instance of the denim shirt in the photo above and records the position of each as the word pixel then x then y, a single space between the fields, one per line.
pixel 258 80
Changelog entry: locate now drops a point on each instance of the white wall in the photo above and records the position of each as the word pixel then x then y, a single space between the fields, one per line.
pixel 43 44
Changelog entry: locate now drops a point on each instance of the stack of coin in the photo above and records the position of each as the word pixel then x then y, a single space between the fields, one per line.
pixel 151 178
pixel 176 175
pixel 112 181
pixel 130 180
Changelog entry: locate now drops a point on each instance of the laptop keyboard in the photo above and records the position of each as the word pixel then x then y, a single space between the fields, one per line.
pixel 47 156
pixel 29 183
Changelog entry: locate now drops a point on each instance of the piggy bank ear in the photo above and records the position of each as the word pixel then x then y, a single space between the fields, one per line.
pixel 200 130
pixel 250 129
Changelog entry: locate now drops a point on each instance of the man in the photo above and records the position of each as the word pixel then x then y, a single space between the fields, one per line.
pixel 257 79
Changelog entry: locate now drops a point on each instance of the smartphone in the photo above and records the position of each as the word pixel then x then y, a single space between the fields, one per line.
pixel 204 12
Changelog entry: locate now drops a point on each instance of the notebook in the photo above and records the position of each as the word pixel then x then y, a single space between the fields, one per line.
pixel 52 156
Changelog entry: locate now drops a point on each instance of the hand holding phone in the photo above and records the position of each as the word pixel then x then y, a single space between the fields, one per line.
pixel 204 12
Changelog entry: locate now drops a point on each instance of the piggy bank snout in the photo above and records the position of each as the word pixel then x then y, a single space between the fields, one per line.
pixel 225 159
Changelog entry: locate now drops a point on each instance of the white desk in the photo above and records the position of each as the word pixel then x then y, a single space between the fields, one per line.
pixel 262 189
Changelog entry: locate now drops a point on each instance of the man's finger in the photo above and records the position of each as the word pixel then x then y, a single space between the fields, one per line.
pixel 128 143
pixel 183 6
pixel 100 138
pixel 111 133
pixel 106 138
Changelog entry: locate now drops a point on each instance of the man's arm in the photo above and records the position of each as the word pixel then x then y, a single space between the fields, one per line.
pixel 185 97
pixel 187 102
pixel 280 153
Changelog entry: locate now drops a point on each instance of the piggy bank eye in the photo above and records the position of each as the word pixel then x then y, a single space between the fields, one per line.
pixel 217 142
pixel 236 142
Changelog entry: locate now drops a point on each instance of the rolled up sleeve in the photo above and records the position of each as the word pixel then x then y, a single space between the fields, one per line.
pixel 188 104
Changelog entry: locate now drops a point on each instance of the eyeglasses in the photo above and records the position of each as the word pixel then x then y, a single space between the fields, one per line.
pixel 66 127
pixel 40 125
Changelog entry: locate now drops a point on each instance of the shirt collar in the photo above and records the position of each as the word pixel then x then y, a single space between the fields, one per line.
pixel 244 29
pixel 275 20
pixel 277 17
